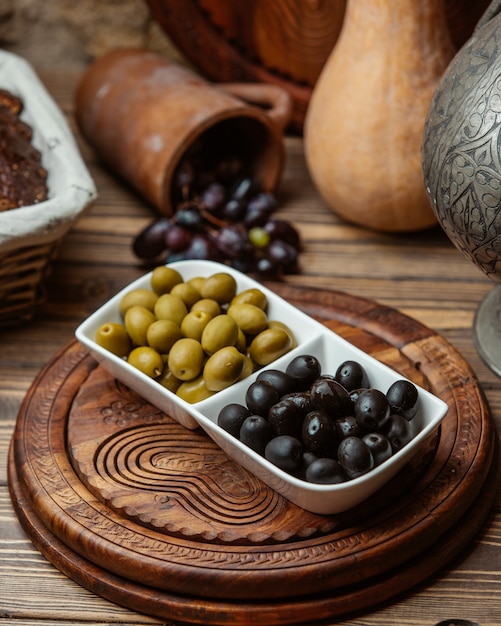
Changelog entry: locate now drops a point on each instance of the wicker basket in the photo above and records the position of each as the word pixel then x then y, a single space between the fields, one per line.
pixel 30 236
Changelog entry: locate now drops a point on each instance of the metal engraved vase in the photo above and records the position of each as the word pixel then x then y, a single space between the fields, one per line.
pixel 461 160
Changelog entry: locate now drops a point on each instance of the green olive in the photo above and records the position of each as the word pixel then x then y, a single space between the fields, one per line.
pixel 269 345
pixel 188 294
pixel 208 305
pixel 223 368
pixel 197 282
pixel 137 320
pixel 194 323
pixel 138 297
pixel 163 279
pixel 251 319
pixel 168 380
pixel 221 287
pixel 241 342
pixel 251 296
pixel 220 331
pixel 194 390
pixel 115 338
pixel 277 324
pixel 186 358
pixel 169 307
pixel 162 335
pixel 147 360
pixel 248 367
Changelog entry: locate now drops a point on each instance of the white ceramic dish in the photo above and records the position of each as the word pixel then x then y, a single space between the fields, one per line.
pixel 312 338
pixel 70 186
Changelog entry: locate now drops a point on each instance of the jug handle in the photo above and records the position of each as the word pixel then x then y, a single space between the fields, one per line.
pixel 490 12
pixel 276 102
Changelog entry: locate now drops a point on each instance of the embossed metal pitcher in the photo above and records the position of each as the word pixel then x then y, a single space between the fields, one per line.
pixel 461 160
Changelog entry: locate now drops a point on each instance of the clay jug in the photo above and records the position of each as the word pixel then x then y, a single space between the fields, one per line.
pixel 461 155
pixel 364 123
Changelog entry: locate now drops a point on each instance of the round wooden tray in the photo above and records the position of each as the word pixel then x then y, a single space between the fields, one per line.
pixel 284 42
pixel 156 518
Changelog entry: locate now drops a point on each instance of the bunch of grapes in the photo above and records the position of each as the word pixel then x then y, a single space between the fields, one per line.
pixel 222 216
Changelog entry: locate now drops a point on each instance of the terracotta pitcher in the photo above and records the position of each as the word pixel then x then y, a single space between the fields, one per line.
pixel 143 112
pixel 365 119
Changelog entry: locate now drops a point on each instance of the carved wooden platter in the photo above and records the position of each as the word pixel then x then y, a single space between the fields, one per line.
pixel 134 507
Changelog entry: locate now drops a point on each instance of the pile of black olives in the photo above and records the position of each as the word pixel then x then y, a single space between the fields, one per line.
pixel 322 428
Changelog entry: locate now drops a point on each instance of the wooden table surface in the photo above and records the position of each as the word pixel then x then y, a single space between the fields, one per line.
pixel 421 275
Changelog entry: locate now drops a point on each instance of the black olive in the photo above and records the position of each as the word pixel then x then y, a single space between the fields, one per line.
pixel 352 375
pixel 355 457
pixel 304 370
pixel 379 446
pixel 403 398
pixel 398 431
pixel 285 418
pixel 329 396
pixel 372 410
pixel 256 433
pixel 318 434
pixel 282 382
pixel 231 417
pixel 285 452
pixel 325 471
pixel 261 396
pixel 348 426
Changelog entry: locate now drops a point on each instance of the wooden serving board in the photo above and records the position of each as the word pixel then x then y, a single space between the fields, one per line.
pixel 139 510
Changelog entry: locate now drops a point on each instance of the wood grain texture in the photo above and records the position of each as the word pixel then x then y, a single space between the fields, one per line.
pixel 422 275
pixel 207 525
pixel 285 43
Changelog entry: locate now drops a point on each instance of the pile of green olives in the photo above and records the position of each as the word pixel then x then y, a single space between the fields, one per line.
pixel 195 337
pixel 322 428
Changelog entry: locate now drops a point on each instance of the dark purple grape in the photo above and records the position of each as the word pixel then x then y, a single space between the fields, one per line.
pixel 285 452
pixel 150 242
pixel 280 380
pixel 348 426
pixel 285 418
pixel 213 197
pixel 372 410
pixel 256 433
pixel 398 431
pixel 380 447
pixel 304 370
pixel 325 471
pixel 233 242
pixel 259 209
pixel 188 216
pixel 403 398
pixel 281 229
pixel 265 268
pixel 202 246
pixel 261 396
pixel 283 254
pixel 352 375
pixel 329 396
pixel 355 457
pixel 231 417
pixel 178 238
pixel 234 210
pixel 244 188
pixel 318 434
